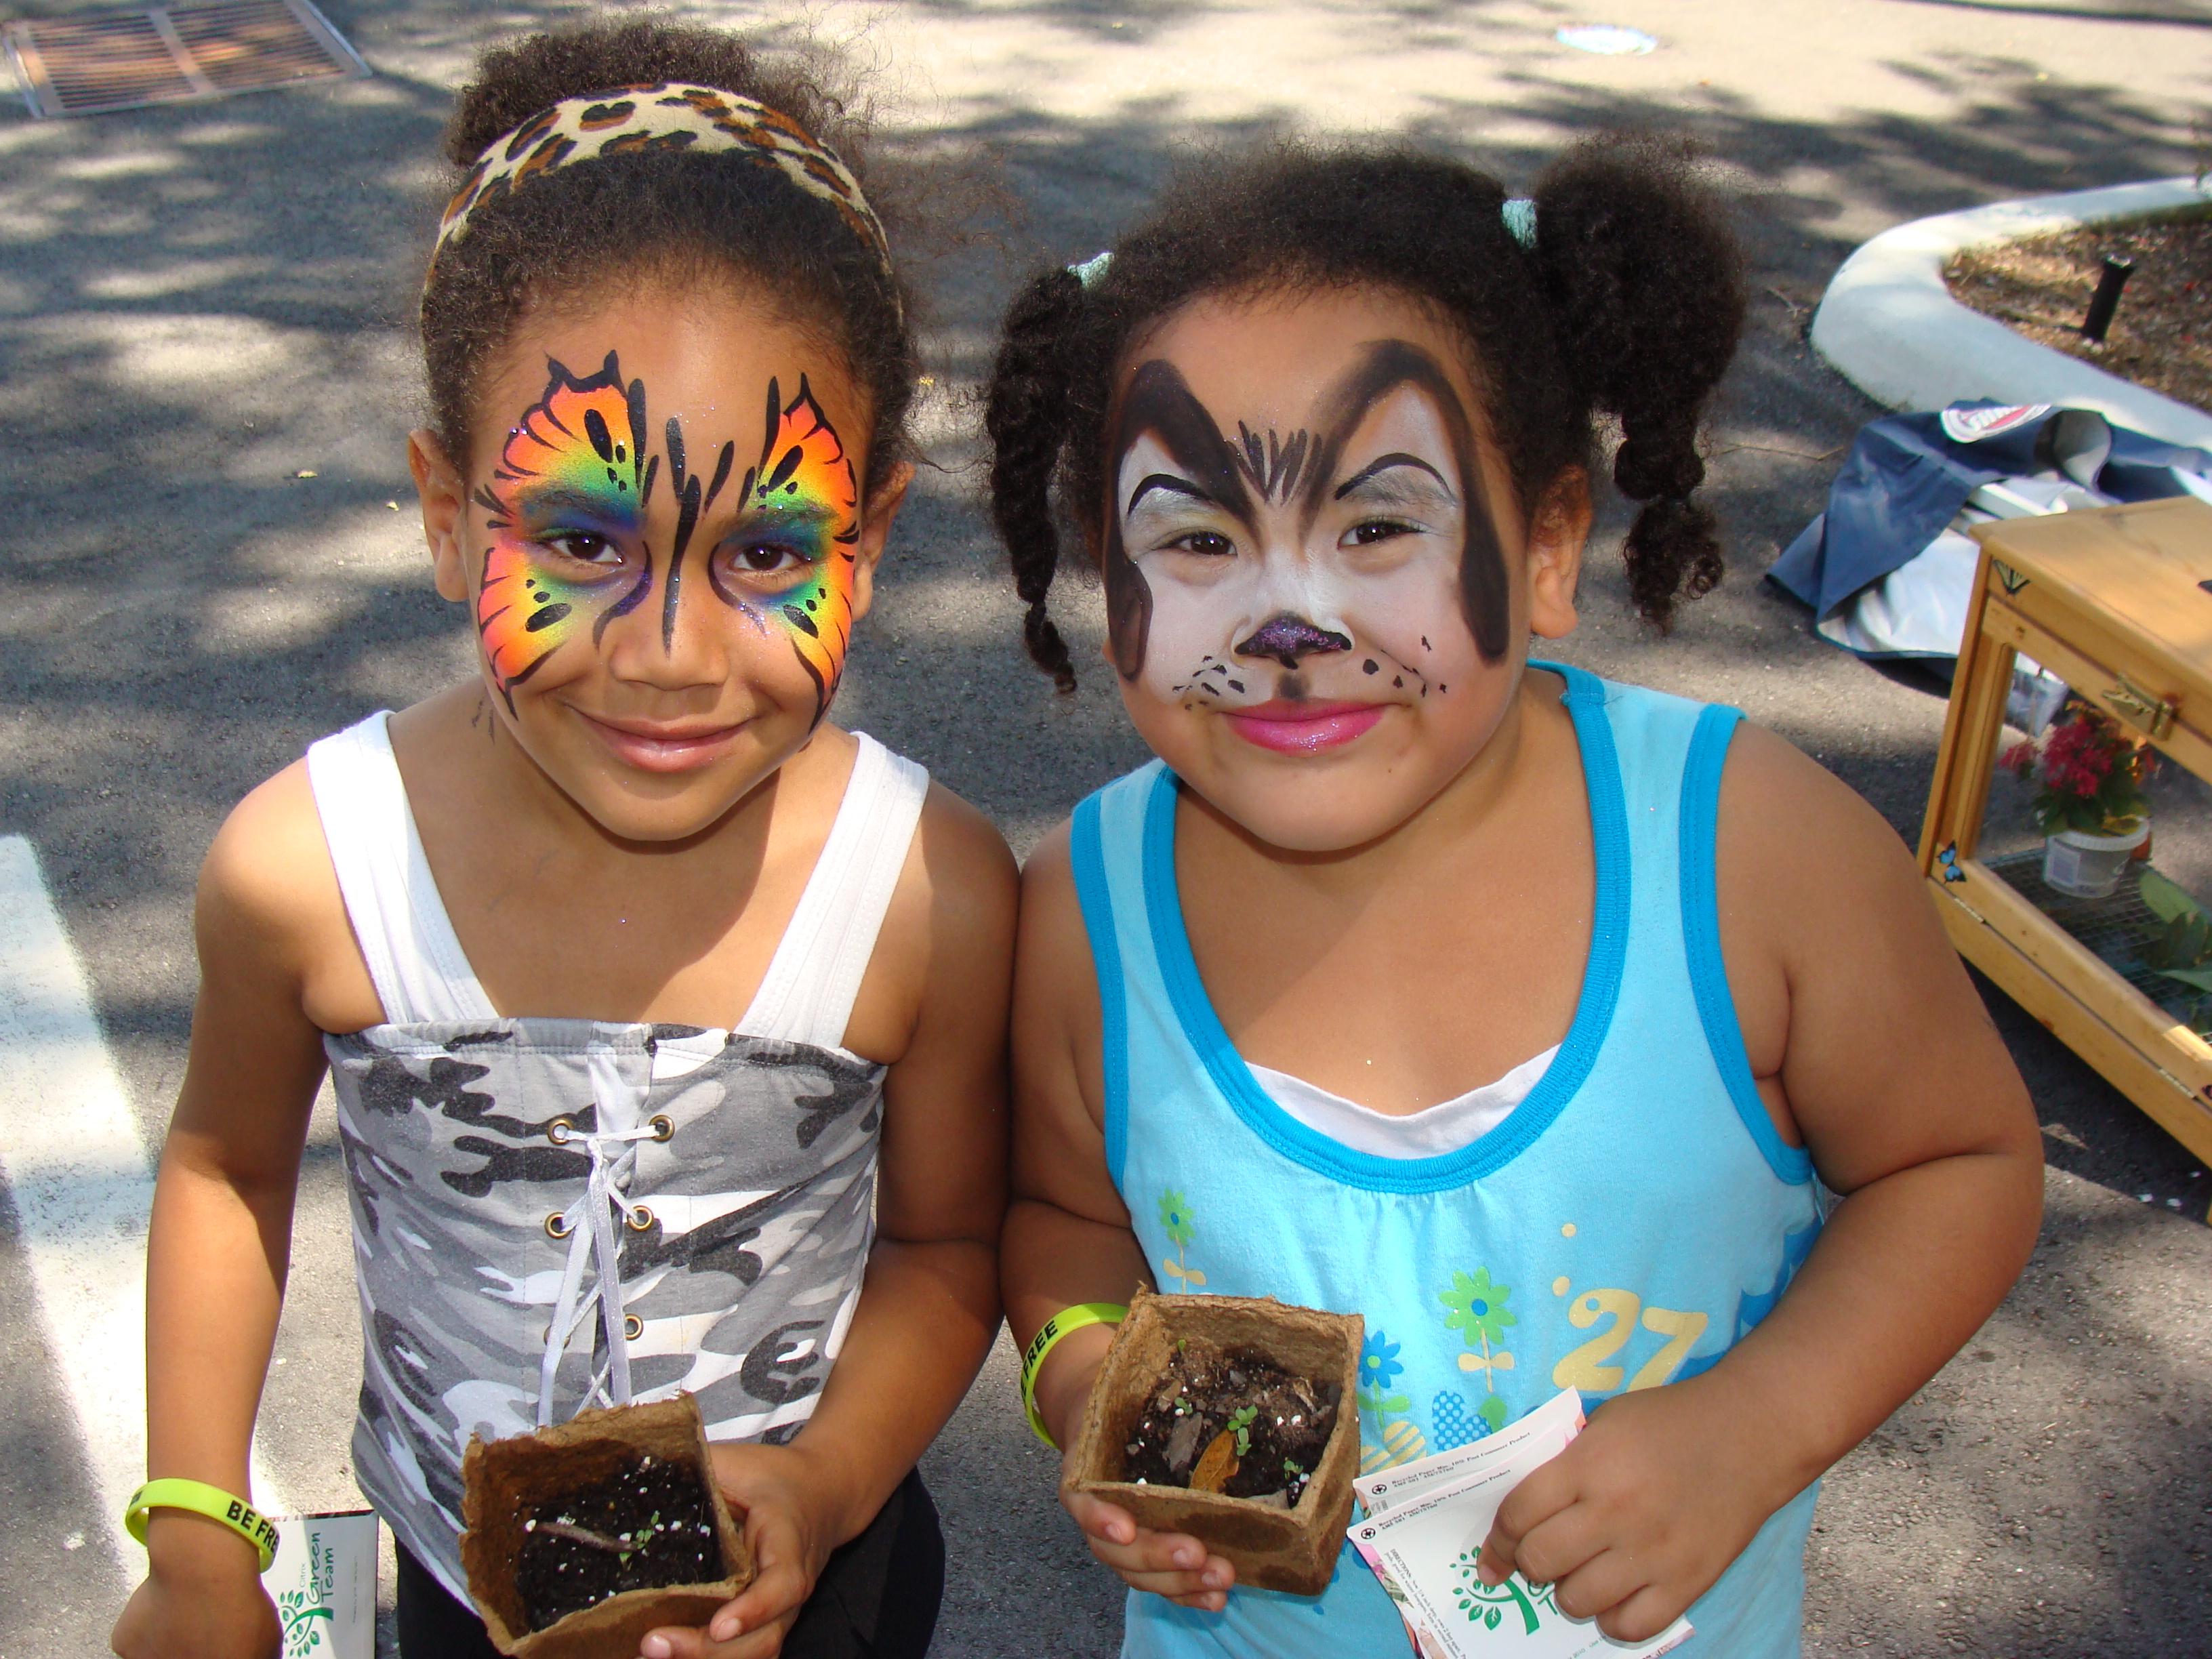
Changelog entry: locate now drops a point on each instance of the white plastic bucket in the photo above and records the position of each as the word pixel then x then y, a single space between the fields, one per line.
pixel 2088 867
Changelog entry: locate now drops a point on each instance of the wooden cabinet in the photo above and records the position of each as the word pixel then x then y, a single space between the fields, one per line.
pixel 2111 602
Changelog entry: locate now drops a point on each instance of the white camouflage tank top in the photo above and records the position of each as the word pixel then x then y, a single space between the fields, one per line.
pixel 554 1213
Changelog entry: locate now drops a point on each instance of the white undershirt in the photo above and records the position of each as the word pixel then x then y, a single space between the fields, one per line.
pixel 1444 1127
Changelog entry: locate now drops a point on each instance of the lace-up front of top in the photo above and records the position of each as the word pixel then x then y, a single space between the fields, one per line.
pixel 554 1213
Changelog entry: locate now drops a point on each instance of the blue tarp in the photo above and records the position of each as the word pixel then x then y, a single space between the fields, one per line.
pixel 1907 476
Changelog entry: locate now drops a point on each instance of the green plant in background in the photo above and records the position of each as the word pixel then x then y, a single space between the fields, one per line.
pixel 2181 950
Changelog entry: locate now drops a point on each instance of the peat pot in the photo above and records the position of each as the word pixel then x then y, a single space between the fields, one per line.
pixel 1293 1549
pixel 503 1480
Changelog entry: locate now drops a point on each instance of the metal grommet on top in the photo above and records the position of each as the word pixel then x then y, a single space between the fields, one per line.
pixel 633 1327
pixel 639 1219
pixel 663 1127
pixel 556 1226
pixel 560 1129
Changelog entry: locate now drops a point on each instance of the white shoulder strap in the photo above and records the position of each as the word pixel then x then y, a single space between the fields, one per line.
pixel 414 959
pixel 808 993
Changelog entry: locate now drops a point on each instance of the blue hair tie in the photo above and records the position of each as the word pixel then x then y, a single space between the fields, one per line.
pixel 1519 215
pixel 1093 268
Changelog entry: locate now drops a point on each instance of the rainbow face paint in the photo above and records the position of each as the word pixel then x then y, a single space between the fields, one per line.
pixel 802 499
pixel 571 476
pixel 570 496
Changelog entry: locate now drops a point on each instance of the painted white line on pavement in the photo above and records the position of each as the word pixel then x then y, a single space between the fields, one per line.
pixel 76 1170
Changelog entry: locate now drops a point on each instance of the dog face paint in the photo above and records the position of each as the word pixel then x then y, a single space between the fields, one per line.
pixel 1333 562
pixel 1317 616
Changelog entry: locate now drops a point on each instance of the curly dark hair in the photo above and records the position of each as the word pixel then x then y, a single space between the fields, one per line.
pixel 1630 304
pixel 662 213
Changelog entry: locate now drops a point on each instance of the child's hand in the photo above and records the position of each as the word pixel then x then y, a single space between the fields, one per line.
pixel 1169 1564
pixel 202 1600
pixel 790 1526
pixel 1640 1514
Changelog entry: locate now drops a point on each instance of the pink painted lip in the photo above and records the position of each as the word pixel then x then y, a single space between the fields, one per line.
pixel 662 745
pixel 1304 728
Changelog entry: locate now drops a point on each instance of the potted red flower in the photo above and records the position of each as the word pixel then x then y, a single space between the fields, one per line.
pixel 2091 807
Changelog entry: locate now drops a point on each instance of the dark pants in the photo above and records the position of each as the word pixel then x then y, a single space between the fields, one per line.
pixel 877 1597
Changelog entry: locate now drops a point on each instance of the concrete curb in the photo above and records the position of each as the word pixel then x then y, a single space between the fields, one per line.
pixel 1890 327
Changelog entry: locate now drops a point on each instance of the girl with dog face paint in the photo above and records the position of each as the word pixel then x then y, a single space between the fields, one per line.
pixel 1419 979
pixel 1308 581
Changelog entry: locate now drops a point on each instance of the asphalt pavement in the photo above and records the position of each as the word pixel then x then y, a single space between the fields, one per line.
pixel 209 558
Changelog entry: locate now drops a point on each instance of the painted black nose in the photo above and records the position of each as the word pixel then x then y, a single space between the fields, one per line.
pixel 1287 638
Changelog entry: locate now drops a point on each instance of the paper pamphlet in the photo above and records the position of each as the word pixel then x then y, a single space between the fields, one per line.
pixel 1394 1487
pixel 324 1583
pixel 1424 1526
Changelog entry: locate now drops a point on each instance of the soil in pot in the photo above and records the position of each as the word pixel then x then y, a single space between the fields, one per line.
pixel 1232 1422
pixel 648 1526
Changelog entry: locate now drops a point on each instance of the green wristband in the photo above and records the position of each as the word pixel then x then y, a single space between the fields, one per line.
pixel 1067 1319
pixel 197 1496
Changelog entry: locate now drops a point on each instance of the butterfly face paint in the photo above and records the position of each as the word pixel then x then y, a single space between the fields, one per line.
pixel 572 477
pixel 570 496
pixel 1300 581
pixel 804 494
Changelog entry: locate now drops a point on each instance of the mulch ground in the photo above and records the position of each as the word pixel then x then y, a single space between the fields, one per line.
pixel 2161 337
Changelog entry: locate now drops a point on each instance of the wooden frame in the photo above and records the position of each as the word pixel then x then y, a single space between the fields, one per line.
pixel 2110 602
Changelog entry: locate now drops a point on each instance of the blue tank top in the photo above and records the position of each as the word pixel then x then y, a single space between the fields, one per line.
pixel 1624 1227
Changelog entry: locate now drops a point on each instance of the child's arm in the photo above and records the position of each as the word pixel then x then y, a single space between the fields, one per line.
pixel 221 1238
pixel 1067 1237
pixel 929 1307
pixel 1861 1024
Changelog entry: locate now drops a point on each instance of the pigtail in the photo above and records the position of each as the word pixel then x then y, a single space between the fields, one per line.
pixel 1026 416
pixel 1645 280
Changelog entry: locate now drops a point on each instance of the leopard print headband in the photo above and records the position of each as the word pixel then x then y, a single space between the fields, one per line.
pixel 672 115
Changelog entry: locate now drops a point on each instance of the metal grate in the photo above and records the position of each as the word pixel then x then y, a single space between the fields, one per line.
pixel 2111 929
pixel 95 62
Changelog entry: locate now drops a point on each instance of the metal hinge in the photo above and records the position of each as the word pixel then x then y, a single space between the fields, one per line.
pixel 2129 701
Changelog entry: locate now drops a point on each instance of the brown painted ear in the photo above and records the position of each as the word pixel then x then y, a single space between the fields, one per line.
pixel 1129 608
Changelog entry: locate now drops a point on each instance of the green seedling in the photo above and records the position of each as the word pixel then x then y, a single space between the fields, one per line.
pixel 1241 1422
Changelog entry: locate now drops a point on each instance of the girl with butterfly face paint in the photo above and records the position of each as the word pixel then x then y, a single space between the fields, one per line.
pixel 619 557
pixel 1423 978
pixel 666 1019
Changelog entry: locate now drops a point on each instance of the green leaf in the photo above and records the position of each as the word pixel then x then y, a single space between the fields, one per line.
pixel 2183 942
pixel 2196 978
pixel 2165 897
